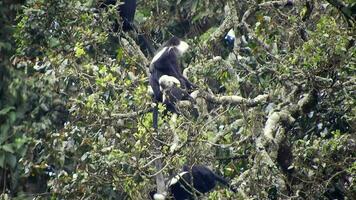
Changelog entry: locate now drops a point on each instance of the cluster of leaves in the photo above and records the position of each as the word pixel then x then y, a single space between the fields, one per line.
pixel 13 143
pixel 181 18
pixel 325 164
pixel 68 79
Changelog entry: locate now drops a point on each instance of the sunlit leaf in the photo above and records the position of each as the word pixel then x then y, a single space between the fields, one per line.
pixel 5 110
pixel 11 160
pixel 2 159
pixel 8 148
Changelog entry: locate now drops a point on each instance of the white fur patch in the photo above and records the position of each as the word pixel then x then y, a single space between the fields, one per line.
pixel 194 94
pixel 168 81
pixel 231 33
pixel 159 196
pixel 158 55
pixel 150 91
pixel 176 178
pixel 182 47
pixel 163 96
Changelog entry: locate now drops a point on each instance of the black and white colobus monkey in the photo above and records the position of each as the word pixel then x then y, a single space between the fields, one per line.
pixel 166 62
pixel 127 12
pixel 198 179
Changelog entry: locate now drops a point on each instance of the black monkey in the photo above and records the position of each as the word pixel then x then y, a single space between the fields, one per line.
pixel 127 10
pixel 166 62
pixel 198 179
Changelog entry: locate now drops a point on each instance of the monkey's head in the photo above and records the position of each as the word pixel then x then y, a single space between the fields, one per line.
pixel 178 44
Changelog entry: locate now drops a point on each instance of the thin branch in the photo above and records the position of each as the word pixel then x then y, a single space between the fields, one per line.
pixel 129 115
pixel 237 99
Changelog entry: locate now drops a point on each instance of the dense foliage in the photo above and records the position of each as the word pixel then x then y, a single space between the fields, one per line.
pixel 75 118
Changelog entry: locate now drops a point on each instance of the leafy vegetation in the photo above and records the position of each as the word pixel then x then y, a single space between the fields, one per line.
pixel 75 118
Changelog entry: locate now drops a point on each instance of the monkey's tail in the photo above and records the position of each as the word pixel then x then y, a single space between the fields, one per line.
pixel 224 182
pixel 143 40
pixel 146 43
pixel 155 116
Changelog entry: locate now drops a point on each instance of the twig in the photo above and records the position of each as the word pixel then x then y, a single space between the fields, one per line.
pixel 129 115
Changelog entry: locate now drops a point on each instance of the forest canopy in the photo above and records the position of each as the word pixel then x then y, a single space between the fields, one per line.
pixel 274 109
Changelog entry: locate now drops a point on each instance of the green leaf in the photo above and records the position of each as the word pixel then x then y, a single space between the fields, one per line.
pixel 6 110
pixel 4 131
pixel 54 42
pixel 120 54
pixel 11 160
pixel 2 159
pixel 194 6
pixel 8 148
pixel 79 51
pixel 19 142
pixel 12 117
